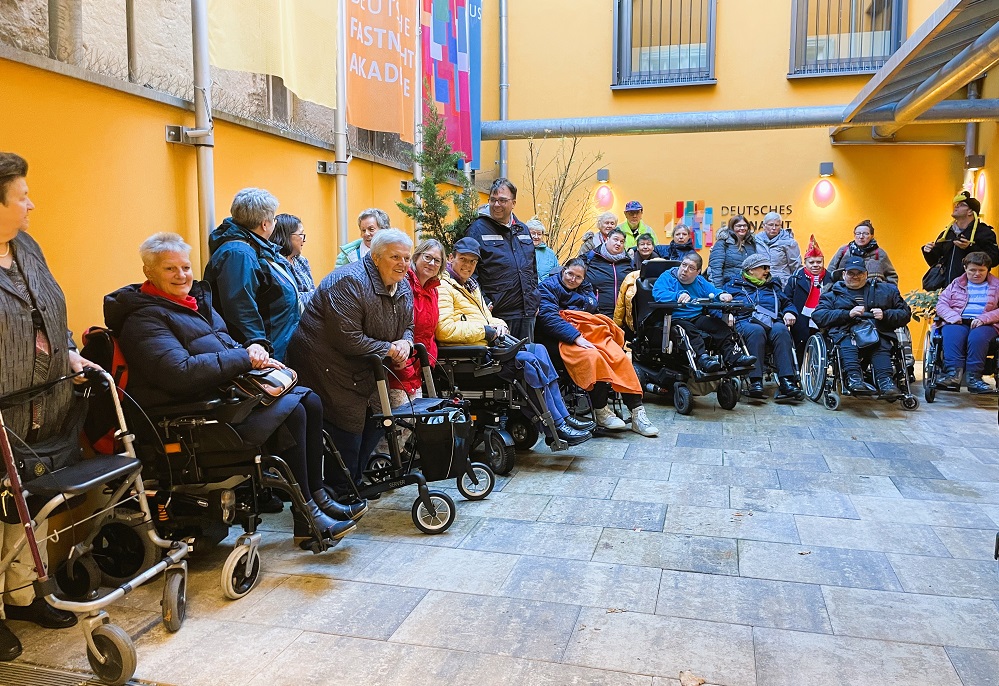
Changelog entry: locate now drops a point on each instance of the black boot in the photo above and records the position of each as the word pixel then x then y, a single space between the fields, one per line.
pixel 888 389
pixel 755 389
pixel 572 436
pixel 10 647
pixel 708 364
pixel 790 389
pixel 339 512
pixel 857 386
pixel 950 378
pixel 736 359
pixel 580 424
pixel 978 386
pixel 330 529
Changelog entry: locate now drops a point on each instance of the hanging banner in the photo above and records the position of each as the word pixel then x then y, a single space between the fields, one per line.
pixel 452 66
pixel 381 65
pixel 293 39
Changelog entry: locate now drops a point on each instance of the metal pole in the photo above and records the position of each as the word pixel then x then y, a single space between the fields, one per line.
pixel 340 124
pixel 418 113
pixel 970 142
pixel 65 30
pixel 130 41
pixel 504 78
pixel 204 136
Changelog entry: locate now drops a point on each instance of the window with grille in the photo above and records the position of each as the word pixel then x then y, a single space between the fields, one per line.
pixel 844 36
pixel 663 42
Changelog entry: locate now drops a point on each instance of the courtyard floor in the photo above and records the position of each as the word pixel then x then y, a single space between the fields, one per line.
pixel 766 546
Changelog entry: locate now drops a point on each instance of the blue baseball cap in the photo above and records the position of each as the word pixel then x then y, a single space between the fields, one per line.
pixel 633 206
pixel 468 245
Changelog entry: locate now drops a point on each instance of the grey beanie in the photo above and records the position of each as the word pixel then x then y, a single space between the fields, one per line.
pixel 754 261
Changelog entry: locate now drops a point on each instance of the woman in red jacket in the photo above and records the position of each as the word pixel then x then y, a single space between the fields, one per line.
pixel 423 278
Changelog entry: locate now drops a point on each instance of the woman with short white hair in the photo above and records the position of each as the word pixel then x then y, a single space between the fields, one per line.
pixel 252 282
pixel 363 308
pixel 592 240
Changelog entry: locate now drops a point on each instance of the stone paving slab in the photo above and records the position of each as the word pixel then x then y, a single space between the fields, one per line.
pixel 445 569
pixel 654 450
pixel 976 667
pixel 534 538
pixel 561 484
pixel 728 476
pixel 816 565
pixel 671 492
pixel 593 584
pixel 793 658
pixel 955 491
pixel 929 512
pixel 971 544
pixel 774 460
pixel 382 524
pixel 776 500
pixel 714 440
pixel 968 471
pixel 727 523
pixel 847 484
pixel 619 514
pixel 913 618
pixel 883 537
pixel 668 551
pixel 740 600
pixel 501 626
pixel 883 466
pixel 645 468
pixel 945 576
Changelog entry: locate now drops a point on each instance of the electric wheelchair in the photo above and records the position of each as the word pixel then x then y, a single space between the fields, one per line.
pixel 933 363
pixel 501 410
pixel 823 378
pixel 662 354
pixel 94 487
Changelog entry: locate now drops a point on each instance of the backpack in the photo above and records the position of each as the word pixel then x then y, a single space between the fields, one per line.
pixel 100 346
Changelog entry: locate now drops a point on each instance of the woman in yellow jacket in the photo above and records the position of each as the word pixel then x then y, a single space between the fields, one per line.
pixel 465 319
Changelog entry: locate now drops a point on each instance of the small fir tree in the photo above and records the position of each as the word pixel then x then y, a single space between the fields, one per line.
pixel 441 167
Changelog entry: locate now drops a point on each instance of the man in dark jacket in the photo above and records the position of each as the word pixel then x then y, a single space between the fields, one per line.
pixel 839 311
pixel 606 268
pixel 767 325
pixel 507 271
pixel 967 234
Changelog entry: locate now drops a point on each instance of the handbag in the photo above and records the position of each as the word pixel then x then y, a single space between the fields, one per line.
pixel 268 384
pixel 934 279
pixel 865 334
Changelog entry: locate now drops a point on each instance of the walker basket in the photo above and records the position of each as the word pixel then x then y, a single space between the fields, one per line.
pixel 443 440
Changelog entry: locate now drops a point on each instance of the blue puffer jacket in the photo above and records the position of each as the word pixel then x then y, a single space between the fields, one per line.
pixel 556 297
pixel 606 277
pixel 253 286
pixel 507 271
pixel 768 296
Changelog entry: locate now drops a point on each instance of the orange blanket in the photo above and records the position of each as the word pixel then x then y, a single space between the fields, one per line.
pixel 606 361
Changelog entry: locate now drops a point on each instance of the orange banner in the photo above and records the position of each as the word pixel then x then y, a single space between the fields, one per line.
pixel 381 65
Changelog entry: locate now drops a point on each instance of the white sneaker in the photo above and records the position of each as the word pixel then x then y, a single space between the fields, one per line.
pixel 606 419
pixel 640 423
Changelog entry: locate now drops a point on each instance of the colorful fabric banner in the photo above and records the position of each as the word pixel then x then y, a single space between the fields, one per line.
pixel 381 65
pixel 293 39
pixel 452 66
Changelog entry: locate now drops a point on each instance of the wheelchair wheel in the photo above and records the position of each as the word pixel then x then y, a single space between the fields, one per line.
pixel 240 574
pixel 728 394
pixel 472 491
pixel 442 518
pixel 929 393
pixel 831 401
pixel 115 660
pixel 814 367
pixel 523 431
pixel 378 465
pixel 174 603
pixel 910 402
pixel 500 456
pixel 683 399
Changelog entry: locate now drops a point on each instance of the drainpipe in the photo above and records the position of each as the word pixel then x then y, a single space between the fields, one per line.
pixel 970 142
pixel 203 134
pixel 418 114
pixel 966 66
pixel 504 80
pixel 340 125
pixel 949 111
pixel 66 30
pixel 130 41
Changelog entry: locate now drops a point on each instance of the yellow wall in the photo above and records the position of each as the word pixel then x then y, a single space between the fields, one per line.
pixel 103 178
pixel 904 190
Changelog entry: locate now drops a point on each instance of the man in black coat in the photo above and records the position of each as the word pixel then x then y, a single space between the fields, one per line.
pixel 840 309
pixel 507 271
pixel 967 234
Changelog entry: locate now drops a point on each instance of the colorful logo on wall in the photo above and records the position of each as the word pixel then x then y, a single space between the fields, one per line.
pixel 695 216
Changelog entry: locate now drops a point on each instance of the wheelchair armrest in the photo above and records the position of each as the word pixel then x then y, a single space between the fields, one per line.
pixel 664 307
pixel 201 407
pixel 476 353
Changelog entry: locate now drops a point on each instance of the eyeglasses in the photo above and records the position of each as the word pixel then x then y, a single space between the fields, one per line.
pixel 429 259
pixel 861 233
pixel 299 235
pixel 569 276
pixel 500 201
pixel 742 226
pixel 772 225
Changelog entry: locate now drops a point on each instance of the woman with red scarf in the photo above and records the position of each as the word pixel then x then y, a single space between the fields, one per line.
pixel 804 288
pixel 178 351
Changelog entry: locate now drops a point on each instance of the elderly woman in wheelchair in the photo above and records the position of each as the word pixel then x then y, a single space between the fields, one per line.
pixel 178 351
pixel 766 327
pixel 968 320
pixel 465 320
pixel 859 316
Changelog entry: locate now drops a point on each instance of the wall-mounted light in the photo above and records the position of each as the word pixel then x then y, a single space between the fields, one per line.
pixel 603 175
pixel 824 193
pixel 604 197
pixel 974 162
pixel 825 169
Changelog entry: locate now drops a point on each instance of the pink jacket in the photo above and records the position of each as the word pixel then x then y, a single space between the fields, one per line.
pixel 954 299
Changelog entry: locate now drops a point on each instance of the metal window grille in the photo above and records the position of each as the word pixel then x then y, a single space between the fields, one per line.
pixel 844 36
pixel 664 42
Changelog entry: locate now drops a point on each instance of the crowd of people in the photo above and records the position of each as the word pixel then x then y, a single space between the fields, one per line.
pixel 259 307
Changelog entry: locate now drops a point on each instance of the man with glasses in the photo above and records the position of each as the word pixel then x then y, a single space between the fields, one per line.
pixel 507 271
pixel 633 226
pixel 967 234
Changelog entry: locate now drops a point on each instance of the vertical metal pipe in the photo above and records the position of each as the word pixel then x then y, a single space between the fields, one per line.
pixel 203 122
pixel 340 125
pixel 504 85
pixel 65 30
pixel 130 41
pixel 971 141
pixel 418 107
